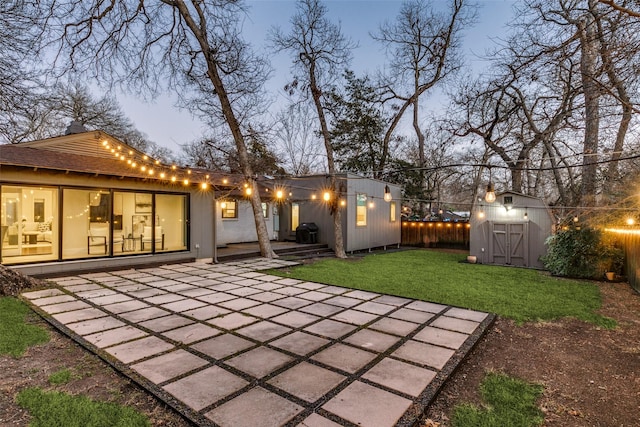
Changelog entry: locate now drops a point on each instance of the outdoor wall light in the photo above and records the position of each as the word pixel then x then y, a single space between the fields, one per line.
pixel 387 194
pixel 279 194
pixel 326 196
pixel 508 202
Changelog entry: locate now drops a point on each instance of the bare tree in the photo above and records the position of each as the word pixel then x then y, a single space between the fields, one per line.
pixel 184 44
pixel 20 38
pixel 297 142
pixel 631 8
pixel 424 50
pixel 319 50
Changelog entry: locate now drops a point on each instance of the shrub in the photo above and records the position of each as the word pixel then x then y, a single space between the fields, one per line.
pixel 582 253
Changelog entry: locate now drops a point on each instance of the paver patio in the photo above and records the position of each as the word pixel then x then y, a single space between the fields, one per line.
pixel 228 345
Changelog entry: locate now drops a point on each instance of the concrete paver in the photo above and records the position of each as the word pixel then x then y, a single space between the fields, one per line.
pixel 306 381
pixel 233 346
pixel 266 410
pixel 344 357
pixel 205 387
pixel 167 366
pixel 379 408
pixel 260 361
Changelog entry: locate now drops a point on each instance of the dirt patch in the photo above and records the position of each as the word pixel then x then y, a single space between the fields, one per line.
pixel 591 375
pixel 90 376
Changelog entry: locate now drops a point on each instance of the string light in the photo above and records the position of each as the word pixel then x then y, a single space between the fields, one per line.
pixel 387 194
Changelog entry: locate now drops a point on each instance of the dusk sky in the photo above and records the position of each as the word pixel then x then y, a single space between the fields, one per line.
pixel 170 127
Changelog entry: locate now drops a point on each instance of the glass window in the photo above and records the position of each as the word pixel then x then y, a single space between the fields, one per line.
pixel 265 210
pixel 229 209
pixel 132 221
pixel 361 209
pixel 295 216
pixel 29 224
pixel 171 224
pixel 392 211
pixel 86 223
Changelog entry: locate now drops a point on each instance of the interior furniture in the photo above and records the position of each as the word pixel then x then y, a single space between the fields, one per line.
pixel 146 237
pixel 97 237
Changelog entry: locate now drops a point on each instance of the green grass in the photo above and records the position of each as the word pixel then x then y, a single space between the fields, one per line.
pixel 61 376
pixel 509 402
pixel 16 335
pixel 52 409
pixel 515 293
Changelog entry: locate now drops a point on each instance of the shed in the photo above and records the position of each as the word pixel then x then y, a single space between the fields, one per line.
pixel 368 220
pixel 510 231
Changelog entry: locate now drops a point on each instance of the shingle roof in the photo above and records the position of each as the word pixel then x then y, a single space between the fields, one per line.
pixel 15 155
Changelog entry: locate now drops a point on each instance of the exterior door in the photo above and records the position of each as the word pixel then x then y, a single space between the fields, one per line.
pixel 509 244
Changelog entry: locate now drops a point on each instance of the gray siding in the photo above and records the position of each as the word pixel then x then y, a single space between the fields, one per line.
pixel 379 231
pixel 539 226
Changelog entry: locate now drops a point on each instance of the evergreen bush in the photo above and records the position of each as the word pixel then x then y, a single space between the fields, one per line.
pixel 582 253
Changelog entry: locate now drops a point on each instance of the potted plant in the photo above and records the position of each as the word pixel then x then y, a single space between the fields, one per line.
pixel 613 260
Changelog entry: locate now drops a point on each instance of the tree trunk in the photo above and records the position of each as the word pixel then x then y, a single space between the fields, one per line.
pixel 231 119
pixel 316 94
pixel 588 64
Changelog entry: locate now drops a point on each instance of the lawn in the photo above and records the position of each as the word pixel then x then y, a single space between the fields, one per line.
pixel 516 293
pixel 55 408
pixel 16 334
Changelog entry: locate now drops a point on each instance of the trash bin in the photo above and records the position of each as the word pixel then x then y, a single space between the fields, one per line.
pixel 307 232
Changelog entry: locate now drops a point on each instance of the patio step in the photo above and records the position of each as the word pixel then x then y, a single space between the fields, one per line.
pixel 307 251
pixel 300 251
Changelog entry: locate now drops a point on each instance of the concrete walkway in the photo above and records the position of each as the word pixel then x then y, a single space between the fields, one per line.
pixel 228 345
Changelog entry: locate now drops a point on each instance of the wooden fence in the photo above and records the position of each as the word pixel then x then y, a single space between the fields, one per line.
pixel 631 244
pixel 436 234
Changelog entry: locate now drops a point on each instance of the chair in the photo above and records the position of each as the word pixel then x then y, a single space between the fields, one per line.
pixel 118 239
pixel 147 238
pixel 97 237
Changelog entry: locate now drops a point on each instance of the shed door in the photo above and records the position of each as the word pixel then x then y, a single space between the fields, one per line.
pixel 509 244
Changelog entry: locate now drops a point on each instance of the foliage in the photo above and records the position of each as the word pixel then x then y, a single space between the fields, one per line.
pixel 358 126
pixel 510 402
pixel 61 376
pixel 516 293
pixel 16 335
pixel 60 409
pixel 582 253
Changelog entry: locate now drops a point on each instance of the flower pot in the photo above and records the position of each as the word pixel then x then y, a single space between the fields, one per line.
pixel 471 259
pixel 610 275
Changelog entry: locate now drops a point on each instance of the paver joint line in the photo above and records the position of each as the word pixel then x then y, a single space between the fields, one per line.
pixel 264 339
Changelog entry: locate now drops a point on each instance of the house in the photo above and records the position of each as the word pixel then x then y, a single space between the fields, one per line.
pixel 86 200
pixel 510 231
pixel 370 210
